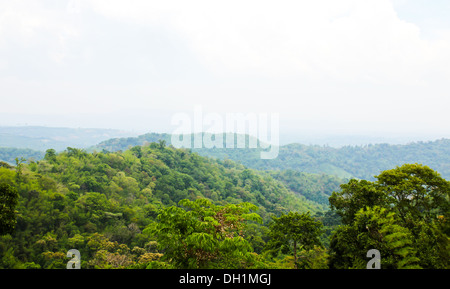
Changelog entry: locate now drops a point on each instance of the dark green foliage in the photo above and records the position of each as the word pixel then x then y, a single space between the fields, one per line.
pixel 377 228
pixel 294 231
pixel 356 195
pixel 8 203
pixel 314 187
pixel 404 215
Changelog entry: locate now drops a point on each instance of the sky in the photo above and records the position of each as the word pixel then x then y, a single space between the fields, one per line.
pixel 349 67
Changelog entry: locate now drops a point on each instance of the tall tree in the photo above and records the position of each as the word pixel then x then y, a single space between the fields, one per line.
pixel 300 231
pixel 354 196
pixel 416 192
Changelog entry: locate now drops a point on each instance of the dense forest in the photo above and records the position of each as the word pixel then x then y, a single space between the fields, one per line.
pixel 314 187
pixel 75 195
pixel 155 206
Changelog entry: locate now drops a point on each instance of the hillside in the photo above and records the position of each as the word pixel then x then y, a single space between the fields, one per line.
pixel 155 206
pixel 9 155
pixel 79 199
pixel 314 187
pixel 362 162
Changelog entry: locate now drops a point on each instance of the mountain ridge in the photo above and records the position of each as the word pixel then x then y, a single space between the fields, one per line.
pixel 351 161
pixel 355 161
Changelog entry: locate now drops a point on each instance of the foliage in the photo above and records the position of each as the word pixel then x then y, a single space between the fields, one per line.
pixel 68 200
pixel 314 187
pixel 155 206
pixel 202 235
pixel 374 228
pixel 403 215
pixel 300 230
pixel 362 162
pixel 8 155
pixel 8 203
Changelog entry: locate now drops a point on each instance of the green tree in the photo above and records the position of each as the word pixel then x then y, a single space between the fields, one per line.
pixel 416 192
pixel 19 171
pixel 354 196
pixel 162 144
pixel 378 228
pixel 8 203
pixel 50 155
pixel 374 228
pixel 300 230
pixel 411 204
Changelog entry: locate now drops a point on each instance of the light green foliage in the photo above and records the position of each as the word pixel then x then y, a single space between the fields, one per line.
pixel 383 233
pixel 73 195
pixel 202 235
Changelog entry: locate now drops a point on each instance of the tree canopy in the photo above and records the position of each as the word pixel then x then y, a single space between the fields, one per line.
pixel 155 206
pixel 404 214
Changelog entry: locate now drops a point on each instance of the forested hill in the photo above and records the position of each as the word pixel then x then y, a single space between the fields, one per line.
pixel 362 162
pixel 79 198
pixel 156 206
pixel 170 175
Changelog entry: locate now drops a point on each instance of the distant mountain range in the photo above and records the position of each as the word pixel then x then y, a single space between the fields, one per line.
pixel 362 162
pixel 59 138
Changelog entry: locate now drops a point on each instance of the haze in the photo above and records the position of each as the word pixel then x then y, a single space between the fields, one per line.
pixel 374 68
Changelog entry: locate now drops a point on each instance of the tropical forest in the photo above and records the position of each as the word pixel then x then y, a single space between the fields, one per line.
pixel 154 206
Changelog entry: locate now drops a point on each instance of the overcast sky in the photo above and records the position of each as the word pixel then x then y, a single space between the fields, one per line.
pixel 347 66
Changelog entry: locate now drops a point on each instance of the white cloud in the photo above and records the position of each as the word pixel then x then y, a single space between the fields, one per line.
pixel 36 25
pixel 350 40
pixel 350 61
